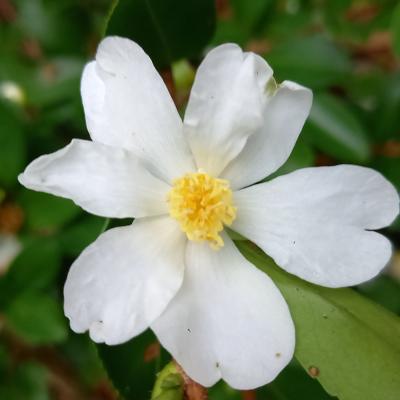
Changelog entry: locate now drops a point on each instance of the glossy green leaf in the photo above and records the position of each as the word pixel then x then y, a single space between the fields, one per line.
pixel 166 29
pixel 395 29
pixel 313 61
pixel 349 343
pixel 132 366
pixel 334 129
pixel 37 318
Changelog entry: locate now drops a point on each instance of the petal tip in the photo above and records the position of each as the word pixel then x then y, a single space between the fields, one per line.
pixel 21 179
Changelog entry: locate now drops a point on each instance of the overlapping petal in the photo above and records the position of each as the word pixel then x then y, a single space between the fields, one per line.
pixel 315 222
pixel 127 105
pixel 225 106
pixel 266 150
pixel 227 321
pixel 125 279
pixel 103 180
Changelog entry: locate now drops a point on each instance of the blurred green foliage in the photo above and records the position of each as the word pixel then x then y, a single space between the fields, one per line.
pixel 347 51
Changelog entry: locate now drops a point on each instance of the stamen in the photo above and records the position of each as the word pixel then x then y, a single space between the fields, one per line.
pixel 202 205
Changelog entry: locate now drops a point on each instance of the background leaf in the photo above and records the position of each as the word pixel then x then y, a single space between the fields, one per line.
pixel 34 269
pixel 45 212
pixel 12 144
pixel 37 318
pixel 335 130
pixel 166 29
pixel 29 382
pixel 132 366
pixel 314 61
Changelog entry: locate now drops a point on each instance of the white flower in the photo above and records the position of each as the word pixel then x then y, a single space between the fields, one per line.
pixel 174 269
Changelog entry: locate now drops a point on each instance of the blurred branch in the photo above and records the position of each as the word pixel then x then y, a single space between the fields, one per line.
pixel 64 383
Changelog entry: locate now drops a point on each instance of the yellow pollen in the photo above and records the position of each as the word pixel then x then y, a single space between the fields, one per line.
pixel 202 205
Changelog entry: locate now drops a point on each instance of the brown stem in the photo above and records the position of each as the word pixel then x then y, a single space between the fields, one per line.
pixel 191 389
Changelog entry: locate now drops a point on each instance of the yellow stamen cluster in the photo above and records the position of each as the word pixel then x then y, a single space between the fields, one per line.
pixel 202 205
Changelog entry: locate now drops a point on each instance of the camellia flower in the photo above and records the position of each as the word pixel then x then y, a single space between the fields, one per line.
pixel 174 269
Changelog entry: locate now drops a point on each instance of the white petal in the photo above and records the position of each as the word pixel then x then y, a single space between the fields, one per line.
pixel 103 180
pixel 225 105
pixel 227 321
pixel 127 105
pixel 125 279
pixel 315 222
pixel 266 150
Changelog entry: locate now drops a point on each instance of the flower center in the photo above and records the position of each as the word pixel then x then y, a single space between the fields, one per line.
pixel 202 205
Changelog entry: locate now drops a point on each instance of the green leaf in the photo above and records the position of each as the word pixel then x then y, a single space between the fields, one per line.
pixel 28 383
pixel 314 61
pixel 169 384
pixel 350 344
pixel 59 26
pixel 4 360
pixel 302 156
pixel 131 367
pixel 44 212
pixel 166 29
pixel 37 318
pixel 335 130
pixel 81 353
pixel 56 81
pixel 385 291
pixel 389 167
pixel 252 14
pixel 35 268
pixel 222 391
pixel 395 29
pixel 77 237
pixel 285 26
pixel 12 145
pixel 289 383
pixel 386 120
